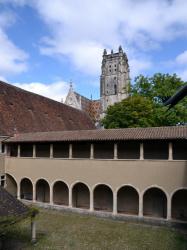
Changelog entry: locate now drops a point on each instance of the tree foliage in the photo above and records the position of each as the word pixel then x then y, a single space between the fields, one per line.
pixel 144 107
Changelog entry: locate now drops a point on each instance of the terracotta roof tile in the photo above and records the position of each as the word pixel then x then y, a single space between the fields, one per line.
pixel 22 111
pixel 175 132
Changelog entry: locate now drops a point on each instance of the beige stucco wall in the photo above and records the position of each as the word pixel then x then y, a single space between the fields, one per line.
pixel 169 175
pixel 2 165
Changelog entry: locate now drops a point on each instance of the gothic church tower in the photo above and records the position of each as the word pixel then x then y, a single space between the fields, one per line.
pixel 114 78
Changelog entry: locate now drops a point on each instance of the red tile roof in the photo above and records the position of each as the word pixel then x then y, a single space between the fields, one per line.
pixel 22 111
pixel 154 133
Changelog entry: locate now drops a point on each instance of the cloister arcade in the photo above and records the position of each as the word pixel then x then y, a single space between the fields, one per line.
pixel 128 200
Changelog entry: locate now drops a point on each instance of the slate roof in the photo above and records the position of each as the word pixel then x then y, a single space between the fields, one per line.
pixel 152 133
pixel 22 112
pixel 10 206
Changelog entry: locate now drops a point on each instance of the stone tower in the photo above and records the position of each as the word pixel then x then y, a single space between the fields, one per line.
pixel 114 78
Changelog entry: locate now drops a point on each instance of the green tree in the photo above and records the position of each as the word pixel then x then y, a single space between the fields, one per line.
pixel 159 87
pixel 135 111
pixel 144 107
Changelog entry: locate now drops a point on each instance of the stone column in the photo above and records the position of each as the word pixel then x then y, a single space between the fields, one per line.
pixel 51 195
pixel 18 151
pixel 6 149
pixel 51 150
pixel 34 151
pixel 0 147
pixel 34 192
pixel 70 197
pixel 18 191
pixel 141 151
pixel 168 208
pixel 33 229
pixel 91 201
pixel 114 203
pixel 70 151
pixel 170 155
pixel 115 151
pixel 91 151
pixel 140 214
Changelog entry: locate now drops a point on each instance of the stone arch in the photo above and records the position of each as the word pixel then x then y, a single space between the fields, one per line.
pixel 128 200
pixel 155 203
pixel 60 193
pixel 179 205
pixel 103 198
pixel 80 195
pixel 11 185
pixel 42 191
pixel 26 189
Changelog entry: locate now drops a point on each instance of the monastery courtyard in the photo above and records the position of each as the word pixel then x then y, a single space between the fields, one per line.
pixel 66 230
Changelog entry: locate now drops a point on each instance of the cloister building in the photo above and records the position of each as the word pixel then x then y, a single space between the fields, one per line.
pixel 52 155
pixel 135 172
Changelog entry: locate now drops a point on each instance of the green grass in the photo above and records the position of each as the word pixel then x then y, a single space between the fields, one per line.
pixel 62 230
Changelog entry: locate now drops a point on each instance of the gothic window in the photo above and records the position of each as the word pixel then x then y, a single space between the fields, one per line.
pixel 115 89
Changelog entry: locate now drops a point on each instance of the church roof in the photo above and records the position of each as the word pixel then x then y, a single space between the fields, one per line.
pixel 90 107
pixel 151 133
pixel 22 112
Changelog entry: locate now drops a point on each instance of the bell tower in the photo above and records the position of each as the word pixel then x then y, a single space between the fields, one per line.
pixel 114 78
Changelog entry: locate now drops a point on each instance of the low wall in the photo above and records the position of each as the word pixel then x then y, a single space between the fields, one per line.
pixel 119 217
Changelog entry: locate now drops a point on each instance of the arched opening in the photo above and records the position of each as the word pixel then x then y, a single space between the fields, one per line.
pixel 155 203
pixel 103 198
pixel 60 193
pixel 179 205
pixel 26 189
pixel 128 200
pixel 11 185
pixel 81 196
pixel 42 191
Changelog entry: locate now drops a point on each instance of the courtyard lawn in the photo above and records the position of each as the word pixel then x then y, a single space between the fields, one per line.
pixel 63 230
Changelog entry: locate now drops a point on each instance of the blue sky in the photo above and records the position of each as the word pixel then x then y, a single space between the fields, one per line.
pixel 44 44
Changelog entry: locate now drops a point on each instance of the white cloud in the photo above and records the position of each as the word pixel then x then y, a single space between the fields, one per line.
pixel 183 74
pixel 81 29
pixel 13 59
pixel 2 78
pixel 182 58
pixel 56 90
pixel 139 65
pixel 181 64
